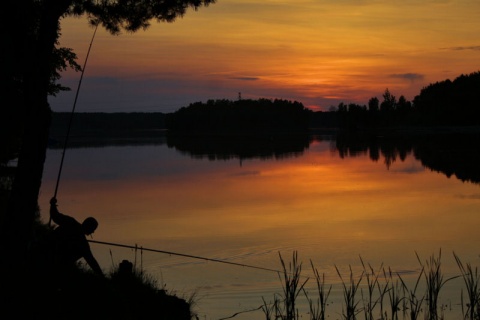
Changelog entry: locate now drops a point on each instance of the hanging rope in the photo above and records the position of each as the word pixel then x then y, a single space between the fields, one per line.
pixel 186 255
pixel 71 116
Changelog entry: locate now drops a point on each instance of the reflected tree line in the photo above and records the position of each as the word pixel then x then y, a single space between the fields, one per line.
pixel 242 147
pixel 450 153
pixel 453 152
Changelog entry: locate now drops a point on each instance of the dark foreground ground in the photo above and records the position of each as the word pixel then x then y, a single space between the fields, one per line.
pixel 40 292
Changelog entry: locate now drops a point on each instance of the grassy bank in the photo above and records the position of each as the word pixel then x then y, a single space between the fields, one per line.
pixel 125 292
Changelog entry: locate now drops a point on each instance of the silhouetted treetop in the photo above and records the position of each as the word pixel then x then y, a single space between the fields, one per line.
pixel 132 15
pixel 451 102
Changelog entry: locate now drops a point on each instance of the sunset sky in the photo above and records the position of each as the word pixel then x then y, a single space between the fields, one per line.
pixel 316 52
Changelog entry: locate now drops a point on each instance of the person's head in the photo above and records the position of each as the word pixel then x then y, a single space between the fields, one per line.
pixel 89 225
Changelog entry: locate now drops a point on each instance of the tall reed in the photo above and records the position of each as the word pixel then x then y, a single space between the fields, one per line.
pixel 414 301
pixel 349 294
pixel 369 302
pixel 394 294
pixel 373 292
pixel 318 309
pixel 434 281
pixel 382 291
pixel 271 310
pixel 291 286
pixel 472 279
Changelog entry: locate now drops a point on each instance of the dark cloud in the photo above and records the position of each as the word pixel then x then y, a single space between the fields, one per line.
pixel 245 78
pixel 475 48
pixel 473 196
pixel 247 173
pixel 408 76
pixel 410 169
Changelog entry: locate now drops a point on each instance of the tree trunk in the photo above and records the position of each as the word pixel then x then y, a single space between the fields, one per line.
pixel 17 223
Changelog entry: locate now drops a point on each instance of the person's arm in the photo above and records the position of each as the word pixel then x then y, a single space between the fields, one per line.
pixel 55 215
pixel 92 262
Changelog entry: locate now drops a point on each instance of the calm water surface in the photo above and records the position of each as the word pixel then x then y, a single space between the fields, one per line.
pixel 331 207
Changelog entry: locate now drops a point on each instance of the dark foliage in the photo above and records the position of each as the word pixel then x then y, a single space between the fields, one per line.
pixel 241 116
pixel 325 120
pixel 446 103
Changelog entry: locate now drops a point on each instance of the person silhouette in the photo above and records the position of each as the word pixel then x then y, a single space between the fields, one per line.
pixel 70 242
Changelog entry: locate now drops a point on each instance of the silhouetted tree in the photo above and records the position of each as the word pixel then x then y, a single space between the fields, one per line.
pixel 403 111
pixel 30 29
pixel 11 128
pixel 403 105
pixel 389 102
pixel 387 108
pixel 373 104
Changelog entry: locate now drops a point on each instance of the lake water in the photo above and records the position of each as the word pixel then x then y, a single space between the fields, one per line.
pixel 333 202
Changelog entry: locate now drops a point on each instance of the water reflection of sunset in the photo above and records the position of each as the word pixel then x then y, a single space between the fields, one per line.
pixel 351 193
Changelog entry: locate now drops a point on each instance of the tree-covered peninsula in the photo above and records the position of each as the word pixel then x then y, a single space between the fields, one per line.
pixel 244 116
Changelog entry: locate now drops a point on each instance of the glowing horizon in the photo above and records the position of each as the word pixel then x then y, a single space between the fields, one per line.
pixel 314 52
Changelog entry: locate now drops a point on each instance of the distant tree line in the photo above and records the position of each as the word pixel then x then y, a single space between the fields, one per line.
pixel 446 103
pixel 98 123
pixel 241 116
pixel 99 129
pixel 443 103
